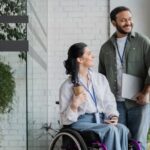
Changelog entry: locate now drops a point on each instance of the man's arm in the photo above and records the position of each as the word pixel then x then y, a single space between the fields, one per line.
pixel 144 95
pixel 101 66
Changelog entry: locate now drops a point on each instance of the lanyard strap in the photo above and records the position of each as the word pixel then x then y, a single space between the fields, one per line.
pixel 121 58
pixel 93 96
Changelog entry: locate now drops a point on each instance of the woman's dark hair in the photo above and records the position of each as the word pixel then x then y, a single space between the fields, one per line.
pixel 71 65
pixel 117 10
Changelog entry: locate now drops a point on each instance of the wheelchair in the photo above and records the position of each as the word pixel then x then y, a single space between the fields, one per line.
pixel 71 139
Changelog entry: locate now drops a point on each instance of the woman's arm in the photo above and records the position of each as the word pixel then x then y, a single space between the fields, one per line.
pixel 69 104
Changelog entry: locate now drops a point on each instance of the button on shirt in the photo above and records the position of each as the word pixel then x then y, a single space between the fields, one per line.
pixel 105 99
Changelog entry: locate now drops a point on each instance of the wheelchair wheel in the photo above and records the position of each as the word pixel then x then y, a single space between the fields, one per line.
pixel 68 139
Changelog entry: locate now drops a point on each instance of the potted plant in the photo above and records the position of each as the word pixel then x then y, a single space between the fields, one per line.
pixel 7 87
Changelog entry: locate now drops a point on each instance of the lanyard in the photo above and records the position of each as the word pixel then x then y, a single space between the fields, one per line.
pixel 93 96
pixel 121 58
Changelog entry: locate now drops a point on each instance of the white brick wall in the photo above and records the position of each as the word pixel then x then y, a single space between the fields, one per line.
pixel 13 124
pixel 37 74
pixel 71 21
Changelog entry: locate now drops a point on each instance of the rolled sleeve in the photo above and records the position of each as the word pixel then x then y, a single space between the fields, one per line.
pixel 147 60
pixel 147 81
pixel 65 99
pixel 69 116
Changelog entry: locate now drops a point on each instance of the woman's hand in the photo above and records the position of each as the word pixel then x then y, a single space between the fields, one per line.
pixel 113 120
pixel 77 101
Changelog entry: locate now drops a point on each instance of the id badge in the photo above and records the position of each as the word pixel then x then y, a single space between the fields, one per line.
pixel 97 117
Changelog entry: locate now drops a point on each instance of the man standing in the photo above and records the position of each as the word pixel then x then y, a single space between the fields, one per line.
pixel 128 52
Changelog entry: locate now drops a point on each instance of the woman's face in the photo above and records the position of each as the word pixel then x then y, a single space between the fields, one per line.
pixel 87 58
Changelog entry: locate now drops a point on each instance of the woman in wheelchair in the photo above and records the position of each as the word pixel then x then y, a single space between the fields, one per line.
pixel 86 101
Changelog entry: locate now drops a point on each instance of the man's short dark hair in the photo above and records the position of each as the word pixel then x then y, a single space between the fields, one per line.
pixel 117 10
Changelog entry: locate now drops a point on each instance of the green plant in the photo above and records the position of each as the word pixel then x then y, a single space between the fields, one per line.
pixel 148 137
pixel 12 7
pixel 7 87
pixel 13 31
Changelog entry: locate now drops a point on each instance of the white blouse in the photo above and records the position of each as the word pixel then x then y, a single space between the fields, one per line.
pixel 105 99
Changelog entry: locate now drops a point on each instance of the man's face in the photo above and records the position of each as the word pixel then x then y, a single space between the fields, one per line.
pixel 123 22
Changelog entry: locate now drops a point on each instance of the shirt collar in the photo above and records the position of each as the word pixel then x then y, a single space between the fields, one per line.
pixel 89 78
pixel 113 37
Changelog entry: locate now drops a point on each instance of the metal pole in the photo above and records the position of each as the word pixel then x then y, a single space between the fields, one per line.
pixel 26 90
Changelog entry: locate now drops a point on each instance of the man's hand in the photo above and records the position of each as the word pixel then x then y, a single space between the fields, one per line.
pixel 142 98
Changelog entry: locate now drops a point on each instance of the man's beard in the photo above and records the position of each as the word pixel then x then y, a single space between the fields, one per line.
pixel 119 29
